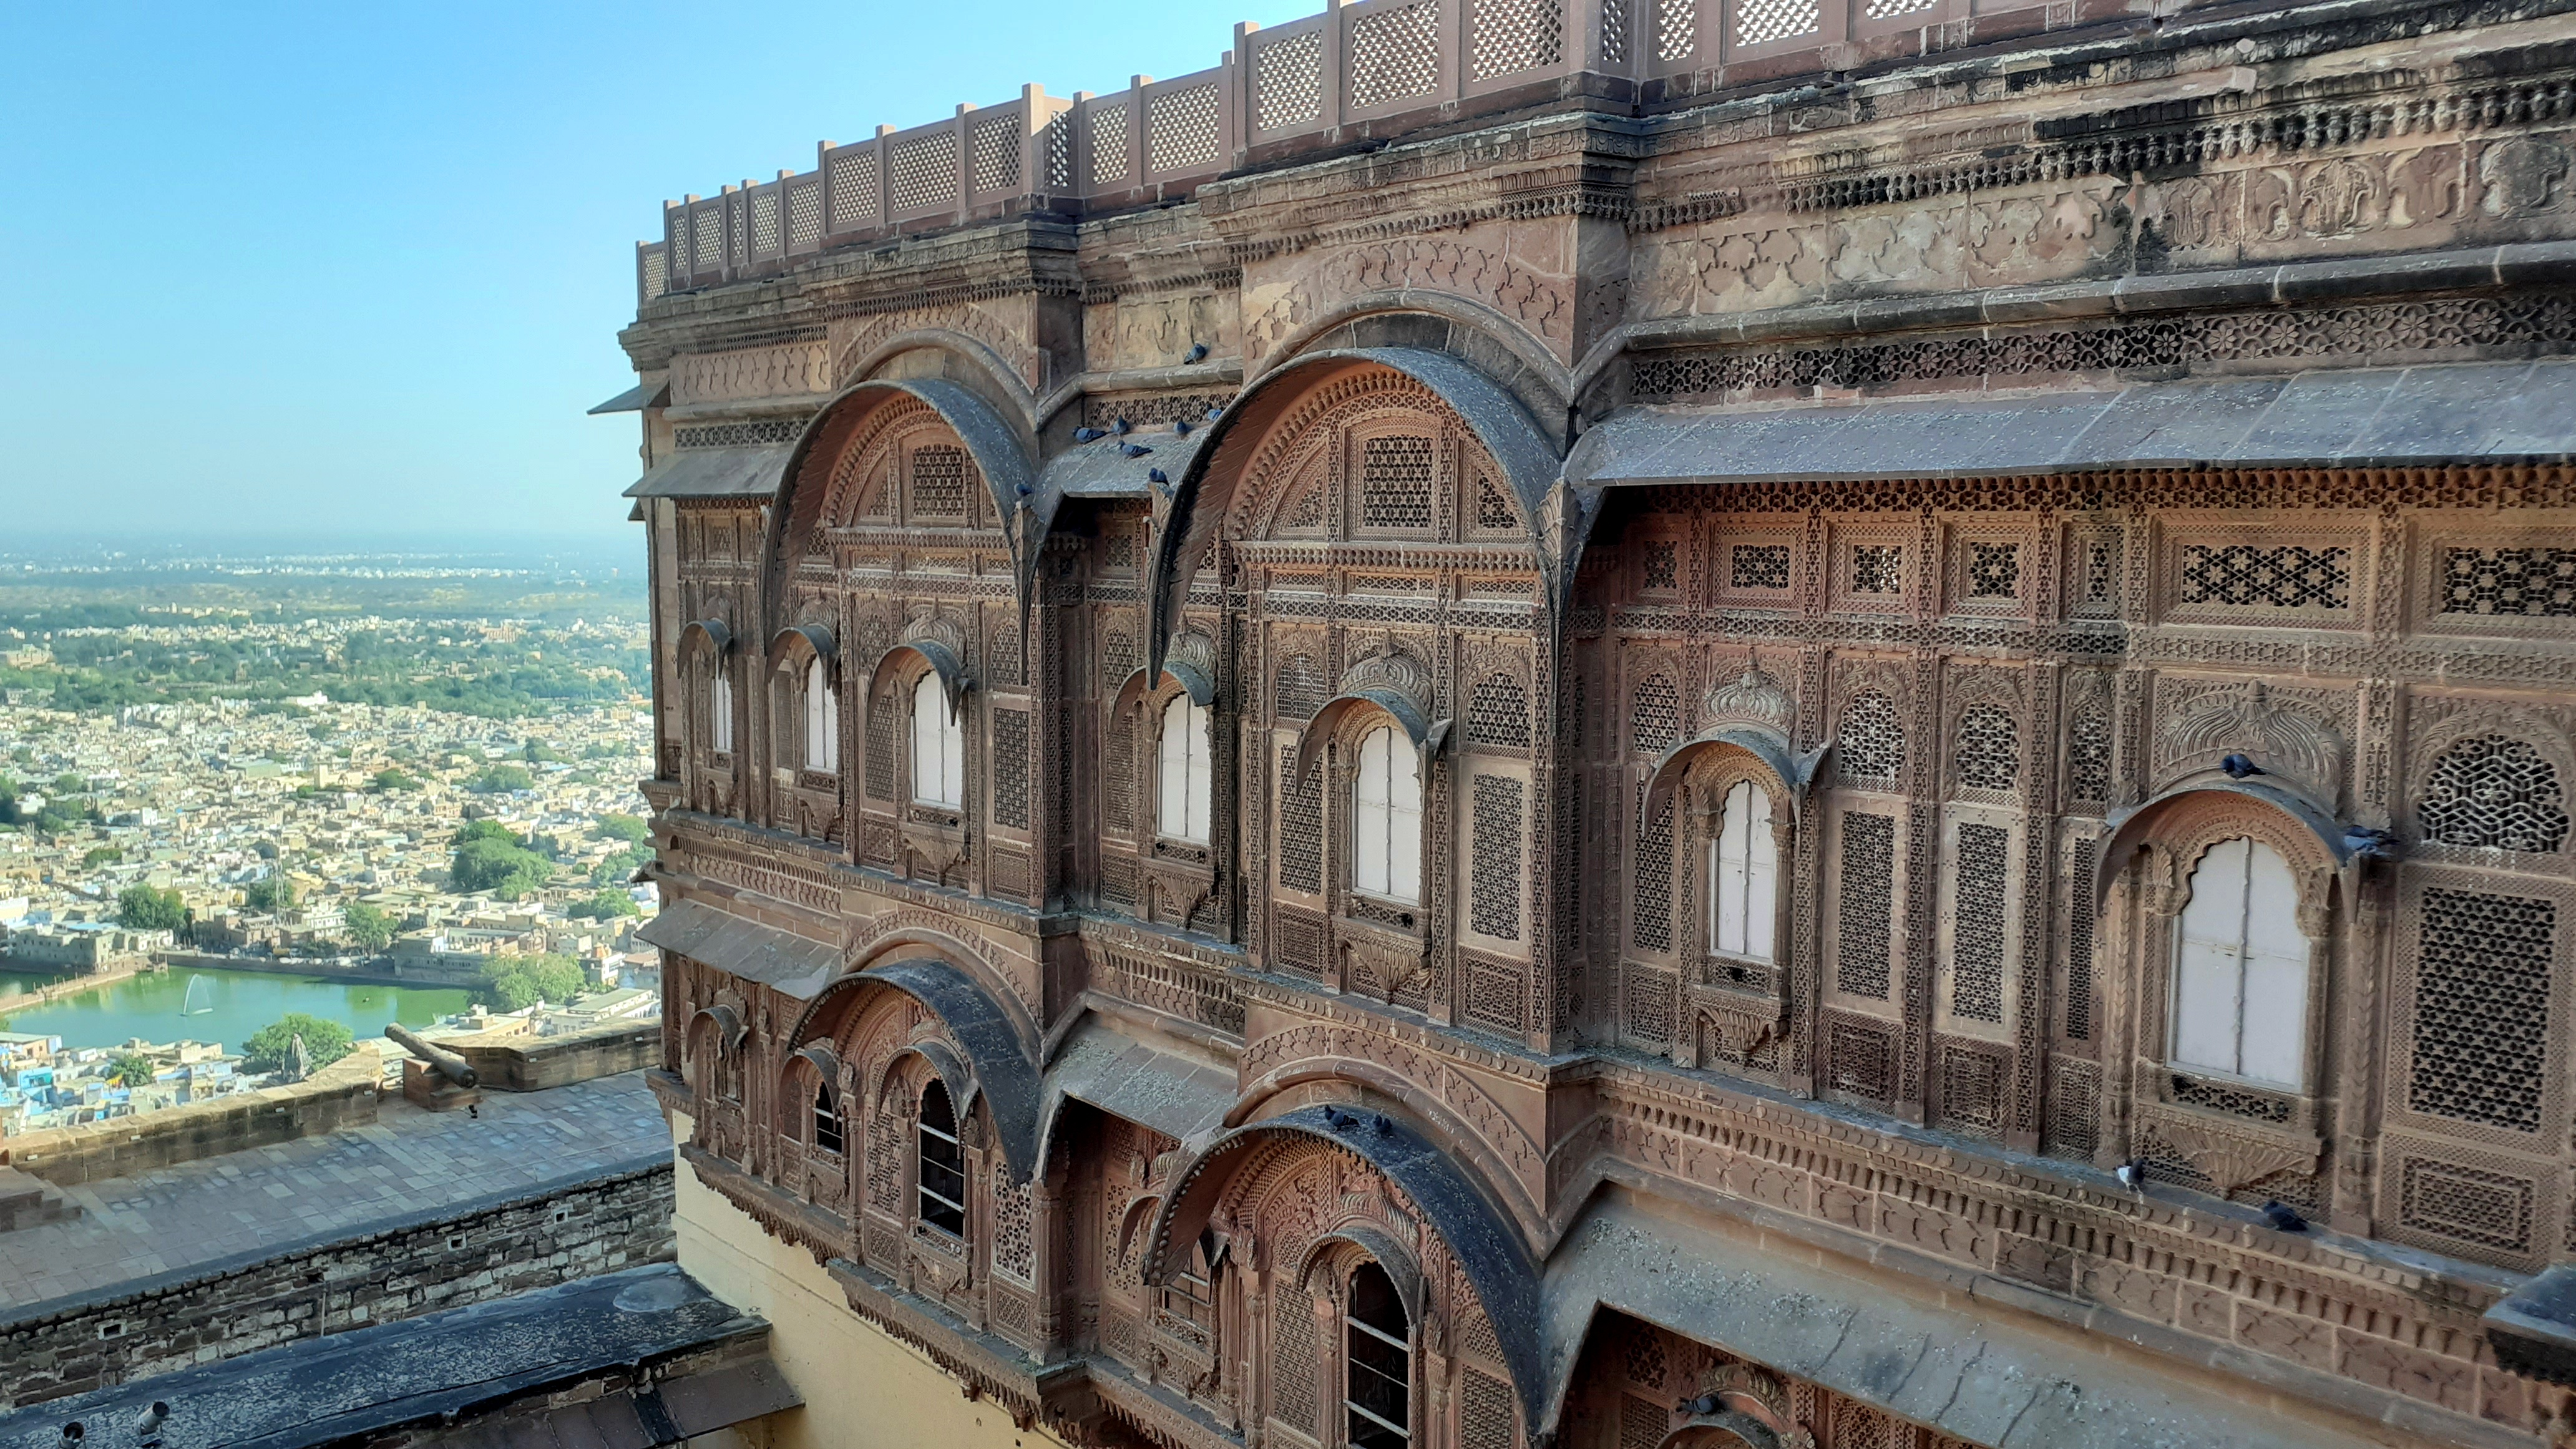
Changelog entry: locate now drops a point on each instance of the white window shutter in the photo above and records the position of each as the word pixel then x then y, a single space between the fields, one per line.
pixel 1201 790
pixel 1172 771
pixel 952 755
pixel 1369 815
pixel 2209 970
pixel 1403 821
pixel 938 756
pixel 1761 876
pixel 2276 974
pixel 1733 818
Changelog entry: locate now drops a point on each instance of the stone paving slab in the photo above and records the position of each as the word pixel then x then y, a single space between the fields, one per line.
pixel 407 1161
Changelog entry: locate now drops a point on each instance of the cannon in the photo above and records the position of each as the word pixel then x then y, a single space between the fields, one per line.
pixel 447 1063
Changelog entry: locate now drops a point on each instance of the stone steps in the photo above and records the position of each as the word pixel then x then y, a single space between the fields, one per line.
pixel 26 1201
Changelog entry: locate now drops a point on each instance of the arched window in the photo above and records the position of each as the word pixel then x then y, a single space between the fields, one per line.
pixel 941 1172
pixel 1185 782
pixel 938 747
pixel 1386 820
pixel 1744 878
pixel 720 710
pixel 822 721
pixel 827 1120
pixel 1377 1388
pixel 2240 997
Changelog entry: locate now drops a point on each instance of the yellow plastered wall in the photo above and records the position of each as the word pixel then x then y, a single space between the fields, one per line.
pixel 862 1388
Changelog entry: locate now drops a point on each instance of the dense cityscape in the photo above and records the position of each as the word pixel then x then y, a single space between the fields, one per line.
pixel 328 793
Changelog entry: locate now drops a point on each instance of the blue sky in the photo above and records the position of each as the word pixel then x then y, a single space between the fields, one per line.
pixel 322 272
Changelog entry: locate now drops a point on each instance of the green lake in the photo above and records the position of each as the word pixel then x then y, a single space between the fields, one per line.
pixel 237 1003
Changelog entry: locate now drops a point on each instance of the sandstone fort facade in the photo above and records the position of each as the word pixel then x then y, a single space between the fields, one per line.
pixel 1541 722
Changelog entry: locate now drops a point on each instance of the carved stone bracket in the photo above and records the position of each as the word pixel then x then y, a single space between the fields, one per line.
pixel 2229 1152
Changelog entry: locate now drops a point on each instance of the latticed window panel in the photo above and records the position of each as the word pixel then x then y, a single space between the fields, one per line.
pixel 1759 22
pixel 1495 991
pixel 707 238
pixel 1866 905
pixel 925 171
pixel 1512 36
pixel 1651 912
pixel 1014 1247
pixel 1494 512
pixel 2254 576
pixel 1871 744
pixel 1118 775
pixel 1395 54
pixel 854 189
pixel 1301 825
pixel 2088 754
pixel 1977 924
pixel 1297 942
pixel 1988 748
pixel 2482 1008
pixel 1860 1061
pixel 993 152
pixel 1676 29
pixel 1972 1091
pixel 1994 570
pixel 2247 1102
pixel 1181 130
pixel 764 222
pixel 1485 1416
pixel 2073 1127
pixel 2527 583
pixel 1642 1357
pixel 1758 566
pixel 1117 656
pixel 2469 1204
pixel 1494 875
pixel 1642 1424
pixel 1395 483
pixel 2100 589
pixel 1003 652
pixel 1306 510
pixel 1663 565
pixel 1878 568
pixel 1299 689
pixel 1647 1008
pixel 738 230
pixel 1498 713
pixel 1288 81
pixel 883 714
pixel 2085 859
pixel 939 483
pixel 1011 768
pixel 2494 792
pixel 1108 144
pixel 804 214
pixel 1890 9
pixel 1655 715
pixel 1293 1362
pixel 1614 34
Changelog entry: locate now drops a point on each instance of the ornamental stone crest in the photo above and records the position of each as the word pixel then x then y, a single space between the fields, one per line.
pixel 1401 673
pixel 1752 697
pixel 2248 721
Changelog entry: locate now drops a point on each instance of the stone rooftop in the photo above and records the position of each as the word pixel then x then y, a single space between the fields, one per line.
pixel 258 1202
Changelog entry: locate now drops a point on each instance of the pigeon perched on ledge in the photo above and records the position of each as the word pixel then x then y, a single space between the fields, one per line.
pixel 2132 1175
pixel 1197 353
pixel 2237 767
pixel 1088 435
pixel 1121 426
pixel 1133 450
pixel 2280 1215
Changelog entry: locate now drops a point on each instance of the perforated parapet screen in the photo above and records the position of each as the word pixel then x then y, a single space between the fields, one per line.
pixel 1871 746
pixel 1516 35
pixel 1989 748
pixel 1181 131
pixel 805 214
pixel 1498 713
pixel 1395 483
pixel 1977 930
pixel 1109 159
pixel 1288 81
pixel 1011 768
pixel 1676 29
pixel 1395 54
pixel 2494 792
pixel 1860 1061
pixel 994 153
pixel 1972 1091
pixel 1759 22
pixel 1494 876
pixel 925 171
pixel 764 222
pixel 854 189
pixel 2482 1008
pixel 2253 576
pixel 1867 904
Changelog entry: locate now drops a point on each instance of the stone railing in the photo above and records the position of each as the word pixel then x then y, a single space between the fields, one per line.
pixel 1358 72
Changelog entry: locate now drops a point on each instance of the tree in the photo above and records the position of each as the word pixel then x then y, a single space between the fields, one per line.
pixel 369 929
pixel 98 855
pixel 500 866
pixel 501 779
pixel 607 905
pixel 513 982
pixel 270 895
pixel 325 1042
pixel 70 784
pixel 618 867
pixel 149 908
pixel 388 781
pixel 629 828
pixel 473 830
pixel 538 752
pixel 132 1069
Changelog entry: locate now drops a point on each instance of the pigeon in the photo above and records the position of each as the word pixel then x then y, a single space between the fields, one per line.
pixel 2369 843
pixel 1338 1120
pixel 2237 767
pixel 2133 1176
pixel 1155 475
pixel 1086 435
pixel 2280 1215
pixel 1181 426
pixel 1026 490
pixel 1197 353
pixel 1121 426
pixel 1215 413
pixel 1384 1125
pixel 1704 1405
pixel 1133 450
pixel 72 1435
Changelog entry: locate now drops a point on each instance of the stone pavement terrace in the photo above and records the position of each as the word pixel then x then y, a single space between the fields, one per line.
pixel 267 1199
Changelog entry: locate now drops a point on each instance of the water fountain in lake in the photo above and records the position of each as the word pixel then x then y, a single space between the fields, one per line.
pixel 200 1000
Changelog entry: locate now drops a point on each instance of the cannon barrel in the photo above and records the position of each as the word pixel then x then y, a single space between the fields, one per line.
pixel 450 1065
